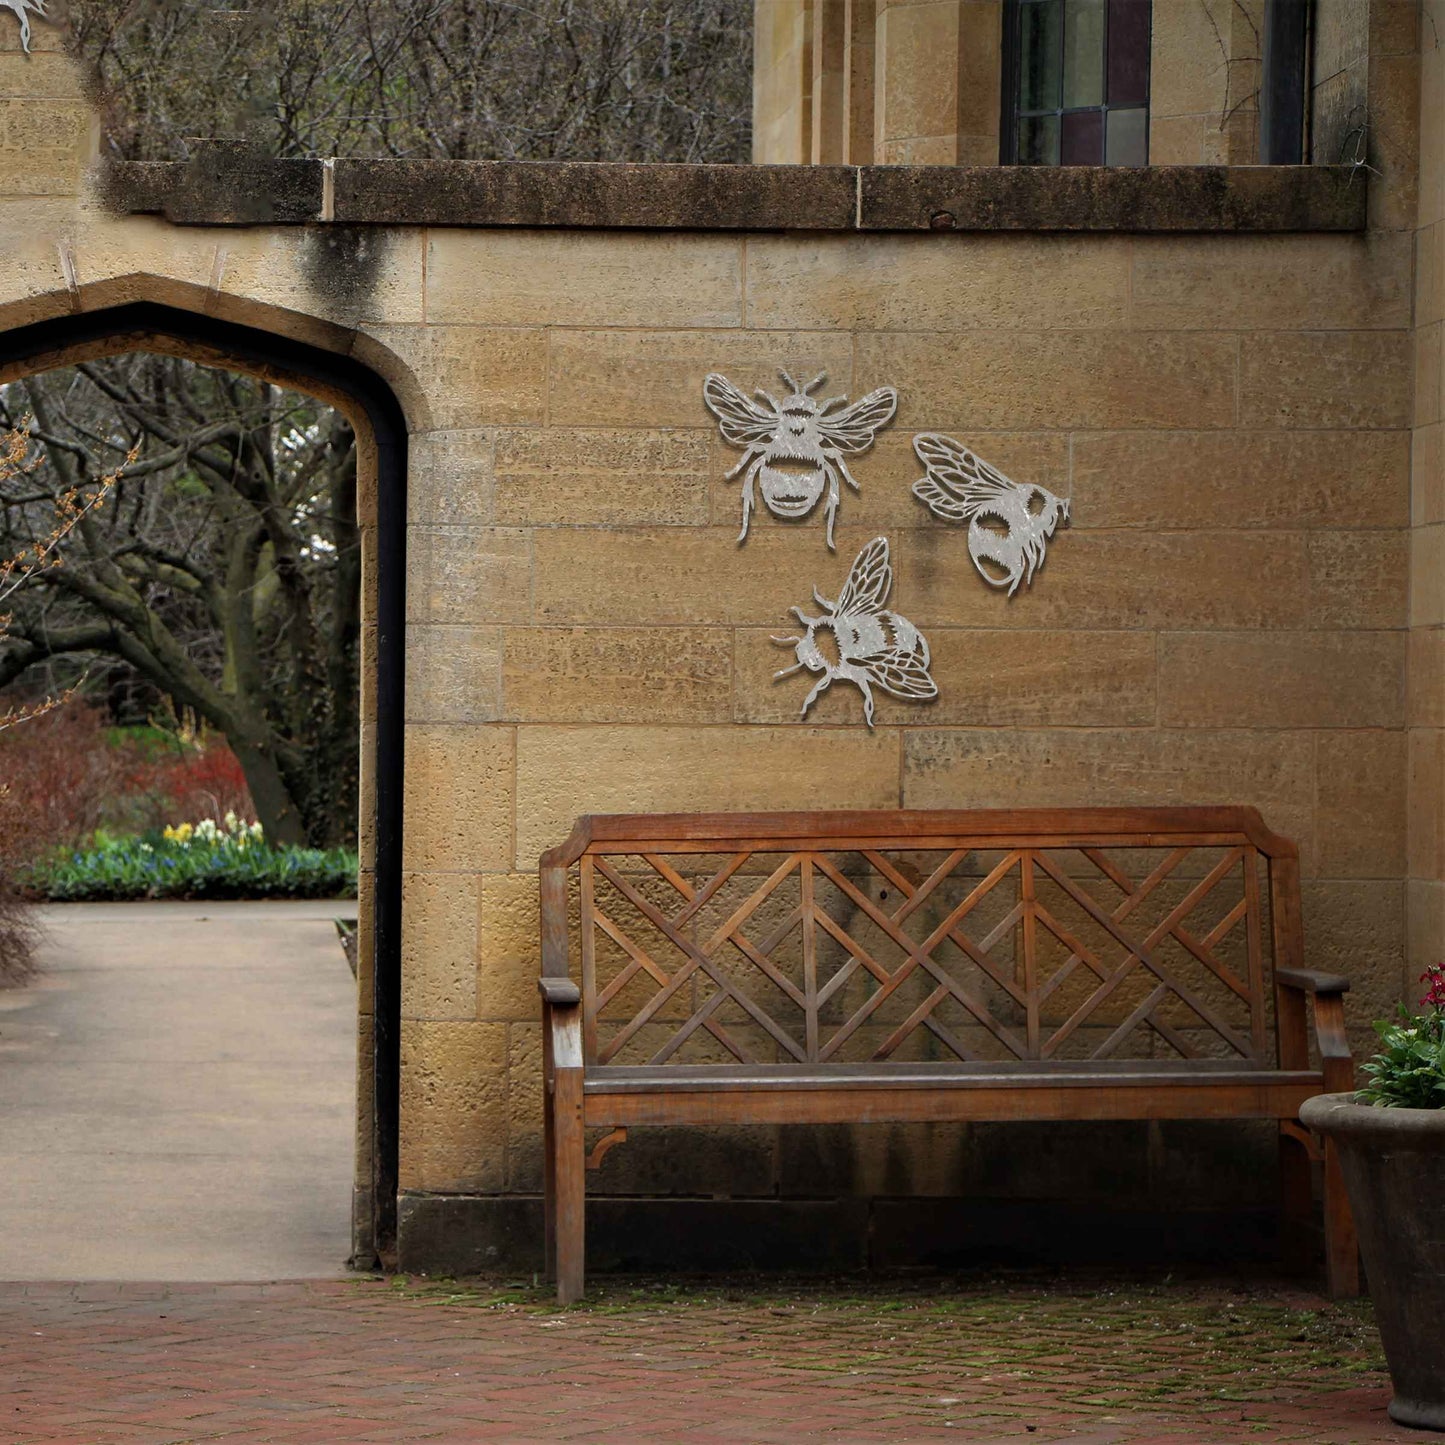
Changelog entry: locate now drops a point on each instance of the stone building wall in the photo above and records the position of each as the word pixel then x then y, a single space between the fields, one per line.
pixel 1229 617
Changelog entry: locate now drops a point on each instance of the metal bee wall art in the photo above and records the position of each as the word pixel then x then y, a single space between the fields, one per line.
pixel 24 9
pixel 1009 523
pixel 858 640
pixel 794 448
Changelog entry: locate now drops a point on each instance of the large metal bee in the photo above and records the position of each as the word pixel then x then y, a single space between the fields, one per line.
pixel 794 447
pixel 24 9
pixel 874 647
pixel 961 487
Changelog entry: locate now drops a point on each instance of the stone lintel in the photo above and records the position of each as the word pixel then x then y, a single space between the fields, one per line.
pixel 223 186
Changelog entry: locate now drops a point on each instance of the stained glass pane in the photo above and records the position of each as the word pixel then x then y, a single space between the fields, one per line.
pixel 1083 54
pixel 1129 52
pixel 1041 33
pixel 1082 139
pixel 1039 140
pixel 1127 138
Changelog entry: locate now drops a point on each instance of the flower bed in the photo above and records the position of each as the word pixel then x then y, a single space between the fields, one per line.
pixel 195 860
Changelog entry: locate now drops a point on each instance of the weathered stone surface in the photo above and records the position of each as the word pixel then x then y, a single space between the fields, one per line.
pixel 439 946
pixel 1425 676
pixel 618 674
pixel 1274 771
pixel 1019 381
pixel 1086 198
pixel 654 378
pixel 564 772
pixel 575 476
pixel 223 185
pixel 468 576
pixel 1361 805
pixel 986 678
pixel 915 284
pixel 584 278
pixel 458 804
pixel 475 376
pixel 1331 379
pixel 1272 282
pixel 1427 576
pixel 451 477
pixel 453 674
pixel 583 195
pixel 1425 827
pixel 1282 680
pixel 1188 479
pixel 1427 475
pixel 1357 929
pixel 1358 579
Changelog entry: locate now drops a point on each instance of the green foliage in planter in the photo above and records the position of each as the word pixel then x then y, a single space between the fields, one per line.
pixel 154 866
pixel 1409 1070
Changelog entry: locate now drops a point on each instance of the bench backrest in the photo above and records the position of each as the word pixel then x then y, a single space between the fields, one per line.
pixel 845 937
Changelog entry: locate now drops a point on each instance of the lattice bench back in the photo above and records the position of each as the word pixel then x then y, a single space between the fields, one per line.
pixel 807 938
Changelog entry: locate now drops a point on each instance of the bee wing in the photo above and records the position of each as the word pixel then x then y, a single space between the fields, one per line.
pixel 868 582
pixel 853 428
pixel 742 422
pixel 903 670
pixel 957 482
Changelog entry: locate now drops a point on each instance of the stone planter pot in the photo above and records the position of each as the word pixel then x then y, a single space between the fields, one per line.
pixel 1394 1167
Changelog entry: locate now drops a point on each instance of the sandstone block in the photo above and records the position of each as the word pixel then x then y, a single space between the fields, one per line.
pixel 451 477
pixel 981 768
pixel 568 476
pixel 1361 804
pixel 509 958
pixel 439 946
pixel 994 678
pixel 1262 283
pixel 652 576
pixel 1168 480
pixel 583 278
pixel 1358 579
pixel 563 772
pixel 453 1106
pixel 1427 575
pixel 1427 475
pixel 469 376
pixel 911 283
pixel 618 674
pixel 1330 379
pixel 1425 679
pixel 1061 379
pixel 1428 373
pixel 1108 580
pixel 453 674
pixel 1425 827
pixel 1357 929
pixel 654 378
pixel 1282 680
pixel 458 809
pixel 468 575
pixel 1425 931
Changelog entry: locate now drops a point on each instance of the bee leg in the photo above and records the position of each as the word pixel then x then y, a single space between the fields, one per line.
pixel 812 697
pixel 750 455
pixel 847 475
pixel 748 497
pixel 832 505
pixel 867 699
pixel 787 671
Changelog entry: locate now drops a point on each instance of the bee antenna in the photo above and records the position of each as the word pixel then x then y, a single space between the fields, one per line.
pixel 818 380
pixel 790 381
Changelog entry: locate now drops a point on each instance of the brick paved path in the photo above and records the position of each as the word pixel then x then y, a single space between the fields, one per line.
pixel 370 1360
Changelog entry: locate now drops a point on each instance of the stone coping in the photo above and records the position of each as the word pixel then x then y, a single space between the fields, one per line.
pixel 231 188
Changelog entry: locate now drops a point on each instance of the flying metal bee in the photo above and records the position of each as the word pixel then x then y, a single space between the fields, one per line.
pixel 24 9
pixel 961 487
pixel 794 448
pixel 874 647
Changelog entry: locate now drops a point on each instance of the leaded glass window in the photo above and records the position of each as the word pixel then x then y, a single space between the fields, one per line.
pixel 1078 83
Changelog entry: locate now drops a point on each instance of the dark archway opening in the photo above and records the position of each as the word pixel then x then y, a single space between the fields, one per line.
pixel 374 410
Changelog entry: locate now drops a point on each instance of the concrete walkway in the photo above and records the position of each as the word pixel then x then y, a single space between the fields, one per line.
pixel 176 1095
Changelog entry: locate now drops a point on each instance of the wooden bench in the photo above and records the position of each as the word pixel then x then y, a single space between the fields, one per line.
pixel 848 967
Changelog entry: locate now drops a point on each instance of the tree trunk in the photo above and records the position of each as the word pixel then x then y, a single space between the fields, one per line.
pixel 277 813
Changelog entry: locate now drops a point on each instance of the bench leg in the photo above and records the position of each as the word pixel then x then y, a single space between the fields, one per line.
pixel 549 1175
pixel 1342 1252
pixel 567 1185
pixel 1296 1205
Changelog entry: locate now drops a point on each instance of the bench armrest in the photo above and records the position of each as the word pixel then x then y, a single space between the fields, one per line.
pixel 1311 980
pixel 559 992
